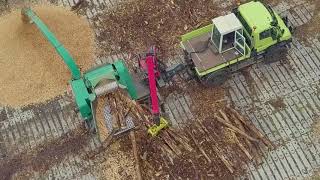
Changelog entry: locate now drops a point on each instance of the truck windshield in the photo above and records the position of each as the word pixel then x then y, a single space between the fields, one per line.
pixel 216 36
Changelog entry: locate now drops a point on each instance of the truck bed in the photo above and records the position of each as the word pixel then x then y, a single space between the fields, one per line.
pixel 210 57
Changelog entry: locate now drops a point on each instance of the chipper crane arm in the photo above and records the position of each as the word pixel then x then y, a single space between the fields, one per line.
pixel 92 84
pixel 150 65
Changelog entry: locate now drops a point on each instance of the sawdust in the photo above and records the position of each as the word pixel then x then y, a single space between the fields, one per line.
pixel 118 164
pixel 30 69
pixel 100 121
pixel 229 136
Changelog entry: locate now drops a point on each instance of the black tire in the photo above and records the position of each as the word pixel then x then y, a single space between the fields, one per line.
pixel 275 54
pixel 213 79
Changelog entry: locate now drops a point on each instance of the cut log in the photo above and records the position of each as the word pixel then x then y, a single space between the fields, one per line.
pixel 265 140
pixel 240 126
pixel 199 147
pixel 136 154
pixel 249 144
pixel 180 134
pixel 167 149
pixel 171 144
pixel 178 138
pixel 234 129
pixel 241 146
pixel 216 149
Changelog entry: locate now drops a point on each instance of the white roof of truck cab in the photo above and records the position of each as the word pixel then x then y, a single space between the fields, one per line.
pixel 227 24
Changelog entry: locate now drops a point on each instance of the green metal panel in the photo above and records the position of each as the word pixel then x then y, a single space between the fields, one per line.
pixel 82 98
pixel 82 87
pixel 94 76
pixel 205 30
pixel 256 15
pixel 287 34
pixel 116 71
pixel 196 33
pixel 64 54
pixel 261 45
pixel 125 78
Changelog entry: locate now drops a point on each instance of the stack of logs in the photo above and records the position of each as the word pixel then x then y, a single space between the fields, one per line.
pixel 174 148
pixel 241 127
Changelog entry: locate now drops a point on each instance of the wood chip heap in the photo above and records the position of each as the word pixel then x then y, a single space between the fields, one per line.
pixel 30 69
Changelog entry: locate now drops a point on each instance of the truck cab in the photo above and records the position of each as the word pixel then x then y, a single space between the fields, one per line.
pixel 227 35
pixel 263 27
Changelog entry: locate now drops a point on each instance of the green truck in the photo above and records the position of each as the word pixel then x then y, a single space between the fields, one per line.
pixel 235 41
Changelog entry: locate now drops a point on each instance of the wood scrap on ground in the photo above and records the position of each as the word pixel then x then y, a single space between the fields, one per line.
pixel 102 129
pixel 199 150
pixel 136 155
pixel 133 26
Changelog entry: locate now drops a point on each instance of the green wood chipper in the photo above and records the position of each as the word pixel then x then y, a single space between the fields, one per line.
pixel 86 87
pixel 96 82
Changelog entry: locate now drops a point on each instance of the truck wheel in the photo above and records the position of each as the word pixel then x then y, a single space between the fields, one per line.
pixel 212 80
pixel 270 58
pixel 275 54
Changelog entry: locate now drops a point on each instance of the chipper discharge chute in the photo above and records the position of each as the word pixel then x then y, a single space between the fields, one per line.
pixel 89 86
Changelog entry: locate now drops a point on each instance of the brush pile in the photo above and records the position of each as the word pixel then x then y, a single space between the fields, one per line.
pixel 134 25
pixel 218 146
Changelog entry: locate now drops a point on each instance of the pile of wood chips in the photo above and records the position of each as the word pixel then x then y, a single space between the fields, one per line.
pixel 134 25
pixel 31 71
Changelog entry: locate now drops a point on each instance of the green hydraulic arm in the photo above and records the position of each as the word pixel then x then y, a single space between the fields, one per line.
pixel 29 15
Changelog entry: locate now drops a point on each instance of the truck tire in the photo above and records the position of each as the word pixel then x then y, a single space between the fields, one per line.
pixel 214 79
pixel 275 53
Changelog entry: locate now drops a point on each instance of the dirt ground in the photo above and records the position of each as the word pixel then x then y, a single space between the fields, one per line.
pixel 140 24
pixel 43 157
pixel 312 26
